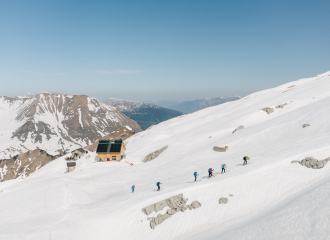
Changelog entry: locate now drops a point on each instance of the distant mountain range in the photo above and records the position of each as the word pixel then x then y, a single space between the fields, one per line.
pixel 49 121
pixel 193 106
pixel 144 114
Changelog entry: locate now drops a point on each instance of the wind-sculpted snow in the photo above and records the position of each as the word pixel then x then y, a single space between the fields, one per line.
pixel 269 198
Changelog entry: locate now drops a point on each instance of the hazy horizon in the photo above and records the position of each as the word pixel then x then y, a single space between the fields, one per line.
pixel 145 101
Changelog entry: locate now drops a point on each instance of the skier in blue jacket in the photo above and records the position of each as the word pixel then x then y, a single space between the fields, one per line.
pixel 133 187
pixel 210 172
pixel 223 166
pixel 195 174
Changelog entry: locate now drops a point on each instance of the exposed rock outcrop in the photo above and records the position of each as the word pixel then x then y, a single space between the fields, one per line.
pixel 220 149
pixel 153 155
pixel 176 204
pixel 239 128
pixel 22 165
pixel 268 110
pixel 223 200
pixel 311 162
pixel 305 125
pixel 281 106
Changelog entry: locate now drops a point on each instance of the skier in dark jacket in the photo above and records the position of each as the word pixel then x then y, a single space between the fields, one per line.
pixel 195 174
pixel 158 185
pixel 245 160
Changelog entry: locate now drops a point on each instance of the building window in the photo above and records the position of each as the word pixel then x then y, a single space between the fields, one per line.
pixel 114 158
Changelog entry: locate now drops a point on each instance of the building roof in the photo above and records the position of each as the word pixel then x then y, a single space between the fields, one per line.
pixel 71 164
pixel 80 150
pixel 109 146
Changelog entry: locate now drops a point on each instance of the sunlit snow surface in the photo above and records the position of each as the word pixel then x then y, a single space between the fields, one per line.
pixel 272 198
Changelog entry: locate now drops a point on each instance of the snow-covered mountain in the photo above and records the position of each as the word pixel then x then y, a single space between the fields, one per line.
pixel 144 114
pixel 28 95
pixel 195 105
pixel 48 121
pixel 273 197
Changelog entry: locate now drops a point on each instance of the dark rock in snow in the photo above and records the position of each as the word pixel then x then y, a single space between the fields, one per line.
pixel 311 162
pixel 153 155
pixel 268 110
pixel 176 204
pixel 220 149
pixel 281 106
pixel 239 128
pixel 223 200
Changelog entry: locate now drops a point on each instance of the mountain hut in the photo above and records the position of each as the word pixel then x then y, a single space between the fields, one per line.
pixel 110 150
pixel 78 153
pixel 71 166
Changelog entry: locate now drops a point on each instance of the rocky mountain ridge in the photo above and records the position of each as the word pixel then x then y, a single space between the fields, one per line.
pixel 56 122
pixel 22 165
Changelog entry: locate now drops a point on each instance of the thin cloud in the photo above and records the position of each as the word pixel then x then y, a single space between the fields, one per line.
pixel 117 71
pixel 44 74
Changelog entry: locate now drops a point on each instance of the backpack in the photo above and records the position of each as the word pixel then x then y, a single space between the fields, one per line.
pixel 157 183
pixel 245 158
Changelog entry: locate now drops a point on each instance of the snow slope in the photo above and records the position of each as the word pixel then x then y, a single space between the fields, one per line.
pixel 272 197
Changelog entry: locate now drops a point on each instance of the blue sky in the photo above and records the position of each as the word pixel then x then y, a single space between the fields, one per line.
pixel 160 50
